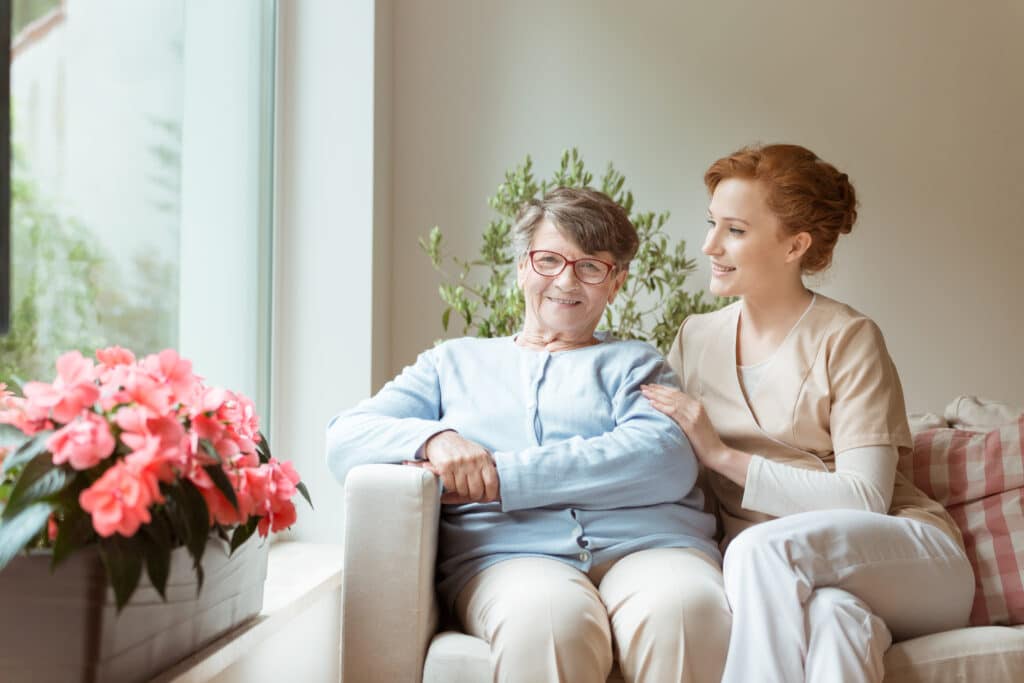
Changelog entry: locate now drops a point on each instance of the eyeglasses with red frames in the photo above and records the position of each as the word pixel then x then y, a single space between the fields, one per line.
pixel 590 271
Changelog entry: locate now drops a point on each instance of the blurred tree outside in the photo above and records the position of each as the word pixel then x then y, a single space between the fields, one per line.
pixel 24 12
pixel 67 294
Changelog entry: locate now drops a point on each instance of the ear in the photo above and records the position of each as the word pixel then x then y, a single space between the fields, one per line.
pixel 798 246
pixel 617 282
pixel 521 271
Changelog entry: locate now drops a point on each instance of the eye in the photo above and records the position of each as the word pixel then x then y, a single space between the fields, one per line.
pixel 736 231
pixel 711 223
pixel 548 260
pixel 591 266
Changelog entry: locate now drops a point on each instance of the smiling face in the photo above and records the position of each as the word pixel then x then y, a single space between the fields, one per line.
pixel 750 252
pixel 562 307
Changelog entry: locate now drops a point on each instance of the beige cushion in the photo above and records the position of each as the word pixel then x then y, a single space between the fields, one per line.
pixel 454 657
pixel 980 653
pixel 979 414
pixel 983 654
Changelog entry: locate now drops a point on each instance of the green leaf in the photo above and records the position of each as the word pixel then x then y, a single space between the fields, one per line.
pixel 74 531
pixel 220 480
pixel 197 521
pixel 242 533
pixel 263 449
pixel 122 558
pixel 305 493
pixel 158 563
pixel 39 479
pixel 21 528
pixel 210 450
pixel 28 450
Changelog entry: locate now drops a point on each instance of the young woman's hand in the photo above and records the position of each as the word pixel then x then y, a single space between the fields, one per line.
pixel 691 417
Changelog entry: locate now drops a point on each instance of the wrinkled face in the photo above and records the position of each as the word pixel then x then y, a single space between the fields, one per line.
pixel 749 252
pixel 562 306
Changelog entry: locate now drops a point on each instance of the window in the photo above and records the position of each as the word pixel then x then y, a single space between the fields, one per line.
pixel 140 184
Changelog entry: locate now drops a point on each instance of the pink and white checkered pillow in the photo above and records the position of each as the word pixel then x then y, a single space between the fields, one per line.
pixel 979 478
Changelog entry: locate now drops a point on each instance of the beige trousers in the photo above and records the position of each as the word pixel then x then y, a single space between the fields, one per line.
pixel 662 613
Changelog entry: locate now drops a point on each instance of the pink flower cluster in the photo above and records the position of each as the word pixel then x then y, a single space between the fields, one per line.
pixel 138 424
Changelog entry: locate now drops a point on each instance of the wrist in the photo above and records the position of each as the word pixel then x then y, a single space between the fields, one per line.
pixel 732 464
pixel 438 437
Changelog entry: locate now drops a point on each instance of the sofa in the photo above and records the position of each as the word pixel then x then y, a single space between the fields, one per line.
pixel 392 630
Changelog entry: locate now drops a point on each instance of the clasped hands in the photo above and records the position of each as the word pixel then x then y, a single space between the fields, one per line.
pixel 465 467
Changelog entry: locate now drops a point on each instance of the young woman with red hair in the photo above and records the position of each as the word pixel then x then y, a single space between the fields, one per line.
pixel 795 410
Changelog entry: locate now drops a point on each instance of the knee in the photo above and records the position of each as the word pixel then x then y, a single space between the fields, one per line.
pixel 573 623
pixel 829 605
pixel 753 550
pixel 701 604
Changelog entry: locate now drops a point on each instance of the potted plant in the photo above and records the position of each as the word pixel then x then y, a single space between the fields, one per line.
pixel 482 292
pixel 131 477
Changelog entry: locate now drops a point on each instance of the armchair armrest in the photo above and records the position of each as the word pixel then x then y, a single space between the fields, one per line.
pixel 388 606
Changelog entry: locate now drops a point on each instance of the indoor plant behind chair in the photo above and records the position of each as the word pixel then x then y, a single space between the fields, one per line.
pixel 116 466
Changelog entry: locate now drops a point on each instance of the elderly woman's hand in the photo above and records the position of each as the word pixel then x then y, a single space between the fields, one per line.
pixel 466 468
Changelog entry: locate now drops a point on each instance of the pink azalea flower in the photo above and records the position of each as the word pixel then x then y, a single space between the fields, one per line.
pixel 158 443
pixel 83 442
pixel 147 391
pixel 72 391
pixel 220 508
pixel 278 485
pixel 119 501
pixel 16 414
pixel 169 367
pixel 212 430
pixel 114 355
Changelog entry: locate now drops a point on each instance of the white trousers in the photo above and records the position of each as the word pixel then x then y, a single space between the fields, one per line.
pixel 661 612
pixel 819 596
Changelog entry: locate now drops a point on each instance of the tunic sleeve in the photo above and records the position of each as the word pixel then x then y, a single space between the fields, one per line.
pixel 675 355
pixel 867 407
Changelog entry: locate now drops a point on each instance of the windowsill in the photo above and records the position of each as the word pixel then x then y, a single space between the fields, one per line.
pixel 298 574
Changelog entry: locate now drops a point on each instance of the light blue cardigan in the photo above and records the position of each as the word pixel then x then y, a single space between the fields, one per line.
pixel 589 471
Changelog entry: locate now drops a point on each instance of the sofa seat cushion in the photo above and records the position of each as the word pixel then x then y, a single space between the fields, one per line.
pixel 979 653
pixel 455 657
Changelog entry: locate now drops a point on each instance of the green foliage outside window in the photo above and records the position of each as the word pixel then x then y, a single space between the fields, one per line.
pixel 483 292
pixel 66 294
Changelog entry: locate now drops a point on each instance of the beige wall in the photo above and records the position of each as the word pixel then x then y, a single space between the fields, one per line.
pixel 919 101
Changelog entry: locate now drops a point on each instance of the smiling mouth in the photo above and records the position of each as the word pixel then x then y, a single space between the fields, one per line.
pixel 565 302
pixel 721 269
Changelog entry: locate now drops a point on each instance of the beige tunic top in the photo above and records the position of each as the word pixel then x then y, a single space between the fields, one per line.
pixel 831 387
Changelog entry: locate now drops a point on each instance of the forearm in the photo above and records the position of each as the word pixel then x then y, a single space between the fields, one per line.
pixel 359 438
pixel 628 467
pixel 863 480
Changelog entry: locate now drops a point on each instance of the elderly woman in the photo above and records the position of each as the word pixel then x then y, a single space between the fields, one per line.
pixel 570 525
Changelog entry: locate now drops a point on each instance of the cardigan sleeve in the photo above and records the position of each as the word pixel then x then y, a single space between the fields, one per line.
pixel 391 426
pixel 645 459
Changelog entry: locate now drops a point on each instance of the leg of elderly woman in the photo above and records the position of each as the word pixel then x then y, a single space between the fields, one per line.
pixel 544 621
pixel 669 615
pixel 815 595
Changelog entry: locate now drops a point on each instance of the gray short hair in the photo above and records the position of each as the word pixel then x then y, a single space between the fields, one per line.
pixel 590 218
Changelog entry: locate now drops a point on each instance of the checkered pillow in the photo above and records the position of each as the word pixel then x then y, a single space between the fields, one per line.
pixel 979 478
